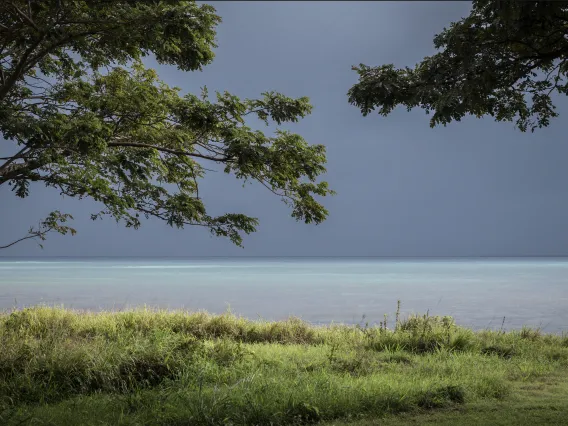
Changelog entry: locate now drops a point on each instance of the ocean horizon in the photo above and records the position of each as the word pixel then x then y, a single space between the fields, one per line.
pixel 480 292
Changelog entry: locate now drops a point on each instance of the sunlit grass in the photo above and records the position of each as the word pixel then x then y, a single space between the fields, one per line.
pixel 177 368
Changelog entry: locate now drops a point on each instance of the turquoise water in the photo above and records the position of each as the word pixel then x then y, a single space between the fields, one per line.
pixel 478 293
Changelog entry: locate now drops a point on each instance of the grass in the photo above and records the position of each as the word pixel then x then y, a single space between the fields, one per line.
pixel 541 402
pixel 148 367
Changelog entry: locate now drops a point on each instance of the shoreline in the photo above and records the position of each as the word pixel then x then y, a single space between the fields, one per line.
pixel 500 324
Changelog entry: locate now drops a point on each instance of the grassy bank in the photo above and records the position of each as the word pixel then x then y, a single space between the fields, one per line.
pixel 173 368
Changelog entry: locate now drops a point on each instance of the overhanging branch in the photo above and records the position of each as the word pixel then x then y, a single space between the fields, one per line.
pixel 33 234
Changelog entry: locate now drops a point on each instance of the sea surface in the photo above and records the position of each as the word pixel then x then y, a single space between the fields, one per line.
pixel 481 293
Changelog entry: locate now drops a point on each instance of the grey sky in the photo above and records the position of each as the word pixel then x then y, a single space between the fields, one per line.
pixel 473 188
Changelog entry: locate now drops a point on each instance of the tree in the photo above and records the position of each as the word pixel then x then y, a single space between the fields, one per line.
pixel 84 115
pixel 505 60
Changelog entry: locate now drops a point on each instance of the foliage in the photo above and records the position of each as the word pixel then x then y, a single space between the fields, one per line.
pixel 175 368
pixel 86 117
pixel 506 60
pixel 53 222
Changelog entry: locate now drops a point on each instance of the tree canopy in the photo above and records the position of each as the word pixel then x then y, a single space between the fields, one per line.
pixel 506 59
pixel 83 115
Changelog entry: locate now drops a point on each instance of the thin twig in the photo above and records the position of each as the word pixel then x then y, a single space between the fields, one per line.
pixel 35 234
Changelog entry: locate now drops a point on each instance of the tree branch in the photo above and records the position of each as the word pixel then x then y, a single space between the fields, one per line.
pixel 27 18
pixel 34 234
pixel 51 223
pixel 170 150
pixel 11 159
pixel 19 69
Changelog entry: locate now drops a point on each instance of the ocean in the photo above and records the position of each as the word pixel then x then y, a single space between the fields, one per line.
pixel 480 293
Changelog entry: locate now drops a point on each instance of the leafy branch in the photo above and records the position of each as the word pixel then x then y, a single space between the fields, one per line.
pixel 87 118
pixel 53 223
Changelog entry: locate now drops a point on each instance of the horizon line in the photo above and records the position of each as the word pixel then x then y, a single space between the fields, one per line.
pixel 294 257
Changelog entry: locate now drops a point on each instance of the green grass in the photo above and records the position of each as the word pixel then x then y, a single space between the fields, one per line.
pixel 538 403
pixel 60 367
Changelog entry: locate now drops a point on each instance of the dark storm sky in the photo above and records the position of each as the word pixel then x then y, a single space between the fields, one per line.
pixel 475 188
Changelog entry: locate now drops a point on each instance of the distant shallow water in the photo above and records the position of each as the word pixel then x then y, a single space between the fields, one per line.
pixel 477 292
